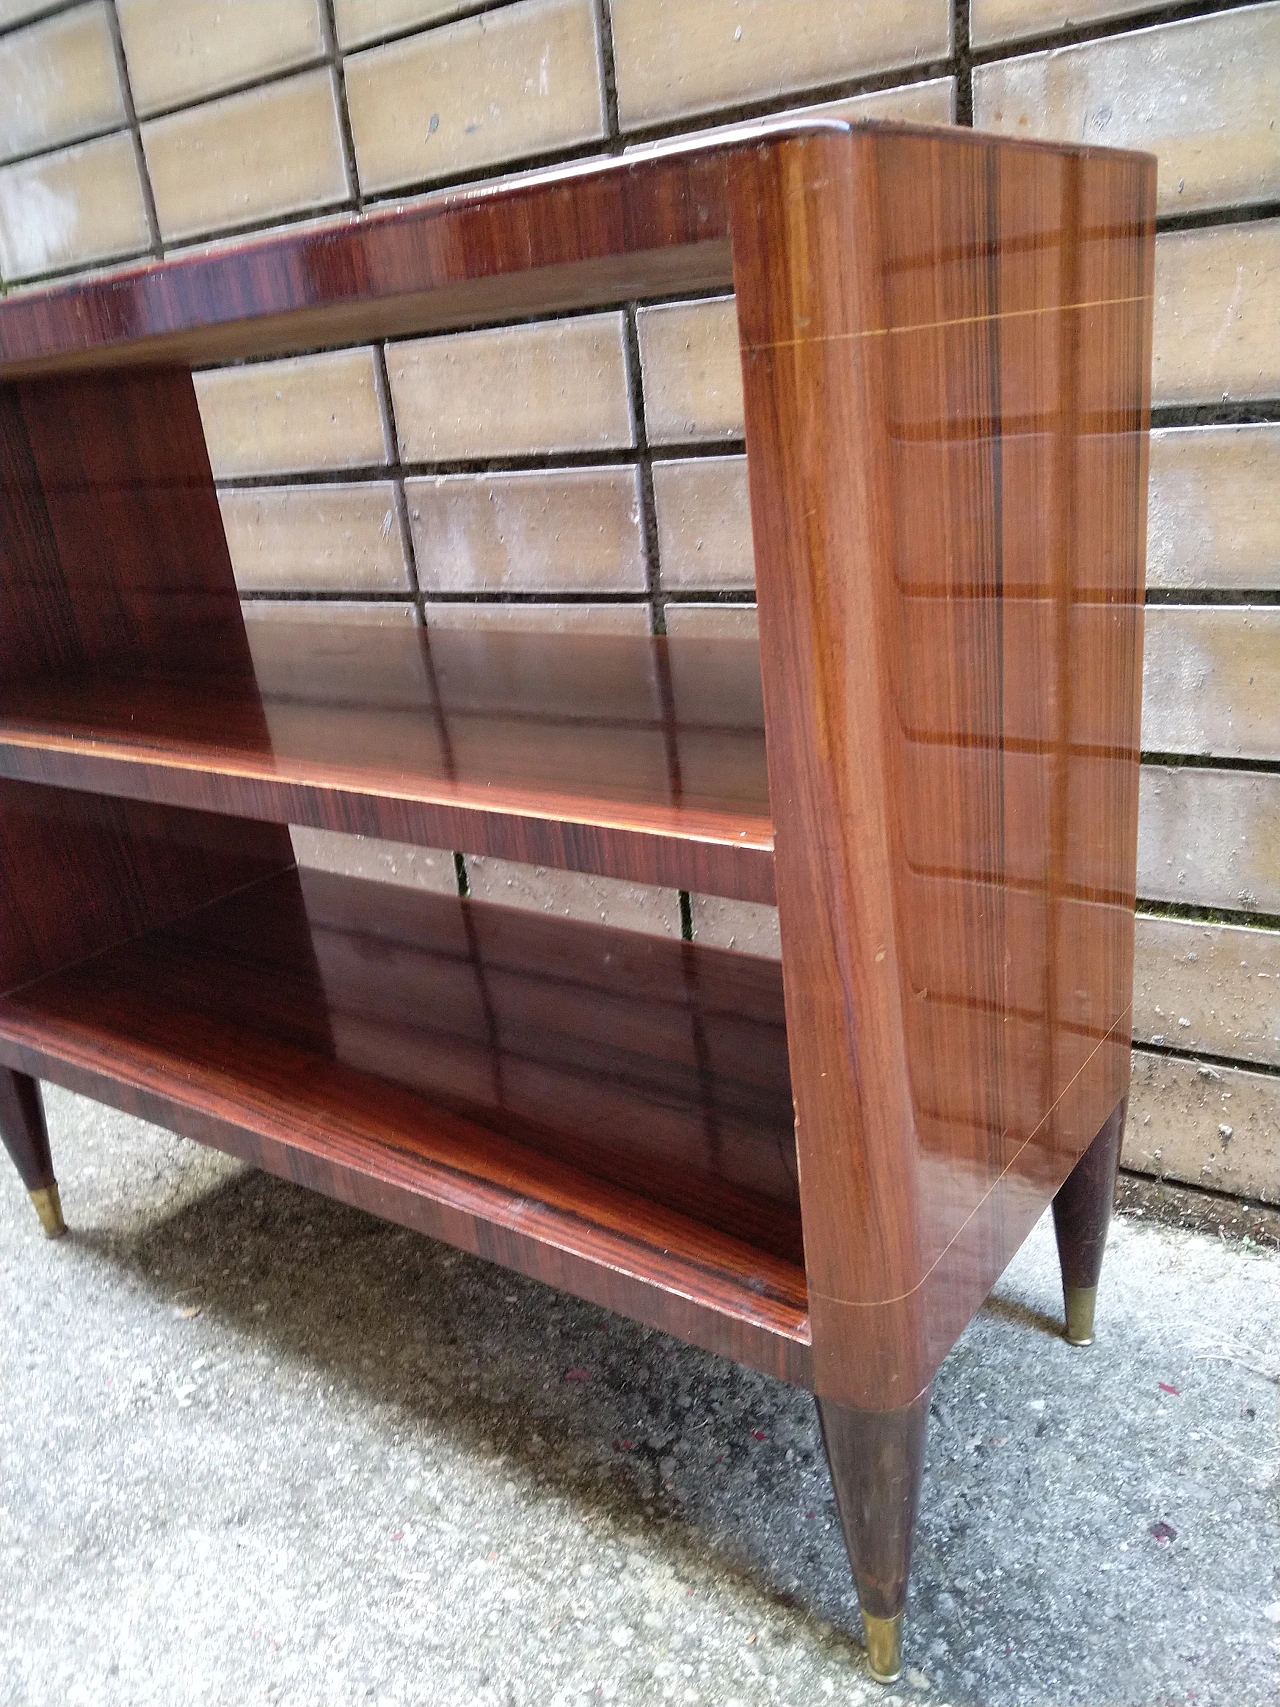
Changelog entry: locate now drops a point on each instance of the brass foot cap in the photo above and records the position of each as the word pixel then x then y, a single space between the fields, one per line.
pixel 49 1209
pixel 1081 1302
pixel 884 1646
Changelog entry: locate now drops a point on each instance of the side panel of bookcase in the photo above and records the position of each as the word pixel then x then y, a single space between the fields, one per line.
pixel 112 556
pixel 946 355
pixel 111 544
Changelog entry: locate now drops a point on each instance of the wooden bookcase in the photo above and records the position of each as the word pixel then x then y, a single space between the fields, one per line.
pixel 930 761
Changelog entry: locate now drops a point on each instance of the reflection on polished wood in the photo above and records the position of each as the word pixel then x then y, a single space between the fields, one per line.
pixel 946 345
pixel 624 755
pixel 950 577
pixel 653 222
pixel 601 1109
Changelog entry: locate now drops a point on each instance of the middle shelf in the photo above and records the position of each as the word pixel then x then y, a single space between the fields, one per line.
pixel 603 1109
pixel 625 755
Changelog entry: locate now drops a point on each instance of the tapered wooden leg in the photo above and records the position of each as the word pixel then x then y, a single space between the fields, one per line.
pixel 1081 1216
pixel 876 1460
pixel 26 1139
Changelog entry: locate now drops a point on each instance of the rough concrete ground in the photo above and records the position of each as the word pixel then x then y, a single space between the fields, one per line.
pixel 1176 1205
pixel 259 1448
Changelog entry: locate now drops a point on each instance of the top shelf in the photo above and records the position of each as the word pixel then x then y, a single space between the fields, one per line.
pixel 654 221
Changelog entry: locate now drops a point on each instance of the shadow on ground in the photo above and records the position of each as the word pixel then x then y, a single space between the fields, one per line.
pixel 259 1447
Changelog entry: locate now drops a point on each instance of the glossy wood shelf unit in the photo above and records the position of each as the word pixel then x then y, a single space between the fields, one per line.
pixel 617 754
pixel 930 762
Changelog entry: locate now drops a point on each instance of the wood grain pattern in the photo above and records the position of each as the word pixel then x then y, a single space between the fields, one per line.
pixel 112 560
pixel 654 222
pixel 946 360
pixel 111 544
pixel 651 223
pixel 603 1110
pixel 629 756
pixel 80 873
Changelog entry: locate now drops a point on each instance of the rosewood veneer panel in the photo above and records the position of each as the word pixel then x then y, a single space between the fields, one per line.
pixel 946 359
pixel 111 543
pixel 654 222
pixel 80 873
pixel 626 755
pixel 607 1111
pixel 112 558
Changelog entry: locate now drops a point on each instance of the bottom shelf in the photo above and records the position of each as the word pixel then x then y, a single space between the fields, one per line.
pixel 606 1111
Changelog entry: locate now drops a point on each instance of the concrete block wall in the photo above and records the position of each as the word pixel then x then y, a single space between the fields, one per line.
pixel 586 472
